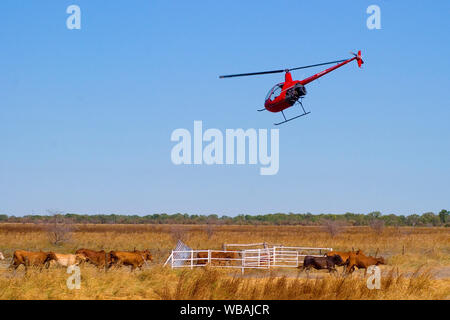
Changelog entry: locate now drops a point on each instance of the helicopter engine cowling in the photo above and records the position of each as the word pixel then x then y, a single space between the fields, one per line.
pixel 295 93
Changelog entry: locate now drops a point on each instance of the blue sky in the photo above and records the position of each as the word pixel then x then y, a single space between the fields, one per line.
pixel 86 115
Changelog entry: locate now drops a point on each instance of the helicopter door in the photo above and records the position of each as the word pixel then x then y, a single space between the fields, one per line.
pixel 275 92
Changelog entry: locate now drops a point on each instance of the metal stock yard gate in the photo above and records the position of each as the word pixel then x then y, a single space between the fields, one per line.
pixel 270 256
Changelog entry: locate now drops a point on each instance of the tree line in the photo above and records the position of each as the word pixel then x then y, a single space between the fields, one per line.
pixel 306 219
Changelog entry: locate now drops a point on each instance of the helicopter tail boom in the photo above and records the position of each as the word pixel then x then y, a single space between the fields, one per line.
pixel 356 57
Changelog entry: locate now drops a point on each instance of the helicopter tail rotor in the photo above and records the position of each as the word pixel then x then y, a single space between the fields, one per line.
pixel 358 57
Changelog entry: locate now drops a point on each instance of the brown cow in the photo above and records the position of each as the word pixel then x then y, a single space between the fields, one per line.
pixel 362 262
pixel 34 259
pixel 218 258
pixel 97 258
pixel 135 259
pixel 343 255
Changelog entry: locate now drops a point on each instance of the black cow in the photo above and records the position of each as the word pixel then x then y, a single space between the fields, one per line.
pixel 321 263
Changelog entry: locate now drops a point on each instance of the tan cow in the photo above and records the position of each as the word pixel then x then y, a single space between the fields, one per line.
pixel 35 259
pixel 66 260
pixel 135 259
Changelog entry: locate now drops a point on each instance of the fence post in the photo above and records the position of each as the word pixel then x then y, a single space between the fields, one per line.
pixel 274 254
pixel 172 260
pixel 243 261
pixel 297 258
pixel 209 257
pixel 259 257
pixel 192 259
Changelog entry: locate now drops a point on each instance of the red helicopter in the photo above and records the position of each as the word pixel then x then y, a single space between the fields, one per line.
pixel 285 94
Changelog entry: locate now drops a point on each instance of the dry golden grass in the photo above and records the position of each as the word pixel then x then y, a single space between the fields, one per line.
pixel 418 264
pixel 211 284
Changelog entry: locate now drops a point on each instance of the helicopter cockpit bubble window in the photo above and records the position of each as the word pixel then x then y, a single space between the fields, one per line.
pixel 275 91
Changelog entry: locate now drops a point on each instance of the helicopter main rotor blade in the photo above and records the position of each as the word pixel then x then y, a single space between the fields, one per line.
pixel 278 71
pixel 319 64
pixel 251 74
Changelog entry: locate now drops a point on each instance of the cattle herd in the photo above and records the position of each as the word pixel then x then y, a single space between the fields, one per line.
pixel 136 259
pixel 101 259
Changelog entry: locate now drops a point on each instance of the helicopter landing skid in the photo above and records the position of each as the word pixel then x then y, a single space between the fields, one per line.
pixel 261 110
pixel 287 120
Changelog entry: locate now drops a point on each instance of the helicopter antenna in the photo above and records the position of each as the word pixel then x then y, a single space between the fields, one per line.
pixel 279 71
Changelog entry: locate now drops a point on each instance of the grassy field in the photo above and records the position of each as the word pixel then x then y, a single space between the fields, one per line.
pixel 418 263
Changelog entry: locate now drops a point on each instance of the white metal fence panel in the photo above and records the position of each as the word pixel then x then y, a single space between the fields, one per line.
pixel 255 258
pixel 262 258
pixel 281 256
